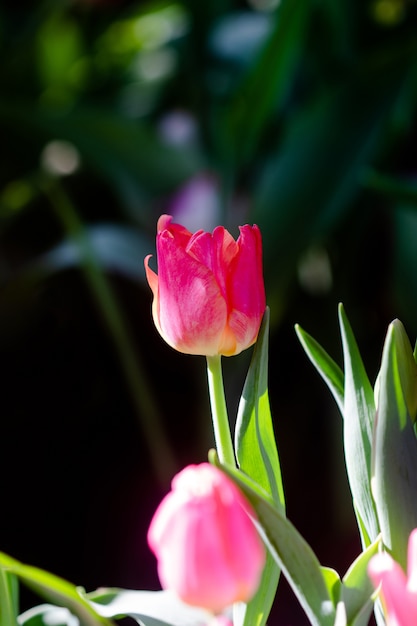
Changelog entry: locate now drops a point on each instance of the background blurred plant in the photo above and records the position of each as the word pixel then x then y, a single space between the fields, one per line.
pixel 297 115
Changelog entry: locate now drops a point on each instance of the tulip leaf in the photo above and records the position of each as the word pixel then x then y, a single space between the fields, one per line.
pixel 147 608
pixel 353 595
pixel 266 83
pixel 357 589
pixel 312 587
pixel 407 369
pixel 256 611
pixel 359 411
pixel 115 248
pixel 150 608
pixel 355 398
pixel 333 583
pixel 324 364
pixel 46 615
pixel 350 114
pixel 257 456
pixel 8 598
pixel 54 589
pixel 394 462
pixel 256 450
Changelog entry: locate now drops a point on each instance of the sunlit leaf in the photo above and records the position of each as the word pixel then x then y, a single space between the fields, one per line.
pixel 150 608
pixel 256 449
pixel 46 615
pixel 9 598
pixel 292 553
pixel 257 456
pixel 359 413
pixel 394 460
pixel 54 589
pixel 357 589
pixel 115 248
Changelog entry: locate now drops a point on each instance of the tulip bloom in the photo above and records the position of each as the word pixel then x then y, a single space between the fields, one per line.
pixel 209 295
pixel 398 591
pixel 208 549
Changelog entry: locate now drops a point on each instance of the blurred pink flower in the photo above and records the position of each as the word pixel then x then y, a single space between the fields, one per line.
pixel 208 549
pixel 398 591
pixel 197 203
pixel 209 295
pixel 221 620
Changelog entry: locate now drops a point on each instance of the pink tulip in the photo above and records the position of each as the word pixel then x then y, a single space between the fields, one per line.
pixel 398 591
pixel 209 295
pixel 208 549
pixel 221 620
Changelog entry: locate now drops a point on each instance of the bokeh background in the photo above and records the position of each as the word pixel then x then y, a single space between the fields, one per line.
pixel 297 115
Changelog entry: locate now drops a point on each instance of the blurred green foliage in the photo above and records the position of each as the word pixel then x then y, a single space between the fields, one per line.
pixel 292 105
pixel 301 114
pixel 289 104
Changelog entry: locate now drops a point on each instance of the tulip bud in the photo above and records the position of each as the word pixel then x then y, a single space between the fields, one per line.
pixel 221 620
pixel 209 295
pixel 398 591
pixel 208 549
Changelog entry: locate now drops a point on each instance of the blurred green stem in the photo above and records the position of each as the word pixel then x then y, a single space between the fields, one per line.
pixel 221 425
pixel 162 457
pixel 8 599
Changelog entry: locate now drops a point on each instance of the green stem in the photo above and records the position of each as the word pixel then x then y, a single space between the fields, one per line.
pixel 221 425
pixel 161 453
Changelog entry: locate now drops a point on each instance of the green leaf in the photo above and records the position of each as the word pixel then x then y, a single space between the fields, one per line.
pixel 359 412
pixel 266 84
pixel 333 583
pixel 357 589
pixel 289 549
pixel 355 398
pixel 407 369
pixel 115 248
pixel 148 608
pixel 46 615
pixel 394 462
pixel 59 46
pixel 151 608
pixel 396 189
pixel 324 364
pixel 256 450
pixel 9 598
pixel 257 610
pixel 257 456
pixel 125 153
pixel 54 589
pixel 309 184
pixel 238 36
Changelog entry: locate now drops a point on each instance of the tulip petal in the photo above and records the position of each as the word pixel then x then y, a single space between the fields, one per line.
pixel 246 289
pixel 400 605
pixel 207 547
pixel 225 251
pixel 192 311
pixel 412 562
pixel 152 279
pixel 209 296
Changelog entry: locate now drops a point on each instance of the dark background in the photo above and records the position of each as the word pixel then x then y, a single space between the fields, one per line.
pixel 298 116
